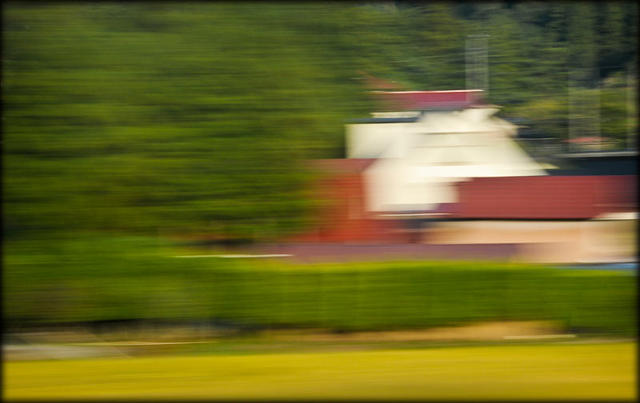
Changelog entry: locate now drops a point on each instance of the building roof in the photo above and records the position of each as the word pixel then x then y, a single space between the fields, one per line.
pixel 545 197
pixel 344 165
pixel 600 154
pixel 425 100
pixel 385 120
pixel 597 163
pixel 586 139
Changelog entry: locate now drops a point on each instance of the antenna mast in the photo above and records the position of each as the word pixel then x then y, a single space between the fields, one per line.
pixel 477 63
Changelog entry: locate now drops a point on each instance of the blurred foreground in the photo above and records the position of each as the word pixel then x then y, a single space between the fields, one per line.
pixel 106 282
pixel 518 372
pixel 127 318
pixel 178 185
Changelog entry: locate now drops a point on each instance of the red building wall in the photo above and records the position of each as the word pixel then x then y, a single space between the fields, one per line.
pixel 342 216
pixel 546 197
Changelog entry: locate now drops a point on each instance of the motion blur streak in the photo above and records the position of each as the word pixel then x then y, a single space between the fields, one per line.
pixel 286 183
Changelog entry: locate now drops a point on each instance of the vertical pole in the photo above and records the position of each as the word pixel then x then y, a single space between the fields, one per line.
pixel 572 107
pixel 477 63
pixel 597 111
pixel 630 111
pixel 469 63
pixel 484 65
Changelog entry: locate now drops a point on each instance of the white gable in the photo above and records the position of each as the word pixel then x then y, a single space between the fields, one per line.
pixel 417 163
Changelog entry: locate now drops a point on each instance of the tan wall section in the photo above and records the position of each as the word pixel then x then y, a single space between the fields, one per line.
pixel 577 241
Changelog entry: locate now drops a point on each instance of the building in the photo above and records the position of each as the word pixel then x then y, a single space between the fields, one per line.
pixel 552 218
pixel 440 168
pixel 418 160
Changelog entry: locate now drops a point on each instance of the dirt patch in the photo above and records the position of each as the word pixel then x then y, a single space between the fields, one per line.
pixel 474 331
pixel 489 331
pixel 57 352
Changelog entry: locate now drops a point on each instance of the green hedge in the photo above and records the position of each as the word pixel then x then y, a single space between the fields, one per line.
pixel 97 278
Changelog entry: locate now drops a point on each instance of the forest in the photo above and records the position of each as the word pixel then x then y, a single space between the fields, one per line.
pixel 158 118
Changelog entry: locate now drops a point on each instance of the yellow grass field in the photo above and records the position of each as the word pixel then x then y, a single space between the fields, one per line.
pixel 543 371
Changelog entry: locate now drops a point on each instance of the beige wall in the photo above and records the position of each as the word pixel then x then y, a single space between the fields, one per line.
pixel 371 140
pixel 551 241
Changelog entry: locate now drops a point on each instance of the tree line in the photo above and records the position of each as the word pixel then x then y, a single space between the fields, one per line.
pixel 164 118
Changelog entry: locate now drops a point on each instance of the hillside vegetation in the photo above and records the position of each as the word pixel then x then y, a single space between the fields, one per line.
pixel 195 118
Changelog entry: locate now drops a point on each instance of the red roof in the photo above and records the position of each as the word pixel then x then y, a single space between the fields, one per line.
pixel 421 100
pixel 546 197
pixel 589 139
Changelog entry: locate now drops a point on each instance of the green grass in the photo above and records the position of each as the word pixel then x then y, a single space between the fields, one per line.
pixel 545 371
pixel 91 278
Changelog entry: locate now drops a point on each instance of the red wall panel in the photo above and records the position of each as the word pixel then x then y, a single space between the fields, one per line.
pixel 344 217
pixel 545 197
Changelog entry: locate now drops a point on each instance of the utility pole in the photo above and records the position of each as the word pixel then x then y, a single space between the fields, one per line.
pixel 597 111
pixel 477 63
pixel 631 116
pixel 584 108
pixel 570 121
pixel 576 107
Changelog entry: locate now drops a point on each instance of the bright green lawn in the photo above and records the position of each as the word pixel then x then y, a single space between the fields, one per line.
pixel 551 371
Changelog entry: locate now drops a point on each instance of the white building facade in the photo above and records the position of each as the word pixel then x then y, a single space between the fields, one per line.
pixel 420 158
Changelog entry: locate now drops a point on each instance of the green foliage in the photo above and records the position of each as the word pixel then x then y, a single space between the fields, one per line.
pixel 197 118
pixel 173 119
pixel 101 278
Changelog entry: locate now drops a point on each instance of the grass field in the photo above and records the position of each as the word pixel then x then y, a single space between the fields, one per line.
pixel 543 371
